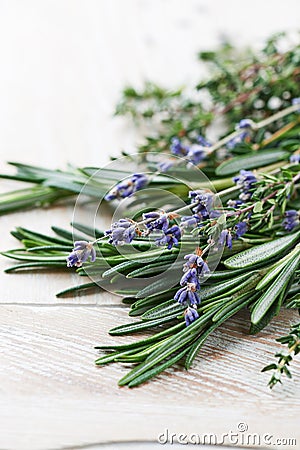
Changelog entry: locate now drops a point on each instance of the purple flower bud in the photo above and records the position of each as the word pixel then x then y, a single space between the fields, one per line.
pixel 139 180
pixel 295 159
pixel 225 238
pixel 178 293
pixel 122 232
pixel 194 298
pixel 181 296
pixel 202 141
pixel 240 229
pixel 189 221
pixel 164 166
pixel 244 123
pixel 202 267
pixel 190 277
pixel 245 181
pixel 177 148
pixel 191 315
pixel 82 251
pixel 159 222
pixel 196 154
pixel 171 237
pixel 237 140
pixel 151 215
pixel 291 219
pixel 205 202
pixel 296 101
pixel 127 187
pixel 191 261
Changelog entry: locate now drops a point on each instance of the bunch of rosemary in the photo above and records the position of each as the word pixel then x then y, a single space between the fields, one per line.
pixel 210 227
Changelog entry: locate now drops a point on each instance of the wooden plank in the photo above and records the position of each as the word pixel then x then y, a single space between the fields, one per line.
pixel 56 396
pixel 41 288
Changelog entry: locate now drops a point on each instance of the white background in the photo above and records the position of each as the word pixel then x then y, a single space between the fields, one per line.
pixel 64 62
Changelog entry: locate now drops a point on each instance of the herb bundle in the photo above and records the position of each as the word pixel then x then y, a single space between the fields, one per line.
pixel 208 228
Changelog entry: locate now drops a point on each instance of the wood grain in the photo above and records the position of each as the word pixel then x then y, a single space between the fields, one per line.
pixel 47 368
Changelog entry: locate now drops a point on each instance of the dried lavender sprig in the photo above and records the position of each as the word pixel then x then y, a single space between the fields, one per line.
pixel 194 268
pixel 128 187
pixel 291 220
pixel 125 230
pixel 81 252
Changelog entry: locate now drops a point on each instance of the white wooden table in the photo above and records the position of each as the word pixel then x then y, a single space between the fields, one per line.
pixel 63 64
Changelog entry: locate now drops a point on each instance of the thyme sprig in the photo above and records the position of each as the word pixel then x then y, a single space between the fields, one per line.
pixel 239 84
pixel 292 340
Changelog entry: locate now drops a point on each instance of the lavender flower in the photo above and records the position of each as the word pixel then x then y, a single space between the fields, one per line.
pixel 128 187
pixel 191 314
pixel 177 148
pixel 139 180
pixel 171 237
pixel 193 267
pixel 196 154
pixel 225 238
pixel 244 123
pixel 122 232
pixel 245 181
pixel 204 202
pixel 181 295
pixel 82 251
pixel 202 268
pixel 190 277
pixel 296 101
pixel 164 166
pixel 202 141
pixel 187 294
pixel 237 140
pixel 190 221
pixel 291 220
pixel 240 229
pixel 197 262
pixel 295 159
pixel 191 261
pixel 234 203
pixel 193 298
pixel 159 221
pixel 151 215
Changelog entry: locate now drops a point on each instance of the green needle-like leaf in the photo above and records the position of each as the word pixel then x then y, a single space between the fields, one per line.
pixel 261 253
pixel 274 291
pixel 251 161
